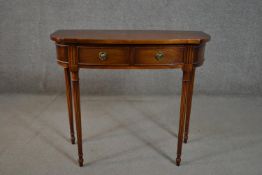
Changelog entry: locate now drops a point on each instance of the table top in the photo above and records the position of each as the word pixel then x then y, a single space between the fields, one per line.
pixel 129 37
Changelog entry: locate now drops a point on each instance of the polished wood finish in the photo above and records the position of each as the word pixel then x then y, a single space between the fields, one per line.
pixel 115 55
pixel 124 49
pixel 131 56
pixel 73 65
pixel 69 103
pixel 76 94
pixel 182 117
pixel 147 55
pixel 129 37
pixel 189 103
pixel 188 71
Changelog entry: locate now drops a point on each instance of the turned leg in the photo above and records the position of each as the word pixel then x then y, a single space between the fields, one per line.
pixel 189 103
pixel 76 96
pixel 183 105
pixel 69 104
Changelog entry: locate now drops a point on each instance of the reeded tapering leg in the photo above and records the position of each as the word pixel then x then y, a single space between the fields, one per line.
pixel 183 105
pixel 189 103
pixel 69 103
pixel 76 96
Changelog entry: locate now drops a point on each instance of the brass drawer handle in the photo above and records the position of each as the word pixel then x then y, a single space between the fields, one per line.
pixel 102 56
pixel 159 56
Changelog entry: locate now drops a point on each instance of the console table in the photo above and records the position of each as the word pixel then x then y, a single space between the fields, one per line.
pixel 129 49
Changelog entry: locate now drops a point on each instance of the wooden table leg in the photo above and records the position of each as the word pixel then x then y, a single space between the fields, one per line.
pixel 69 103
pixel 183 104
pixel 76 96
pixel 189 103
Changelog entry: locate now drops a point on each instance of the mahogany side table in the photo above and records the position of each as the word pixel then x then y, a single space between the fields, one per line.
pixel 129 49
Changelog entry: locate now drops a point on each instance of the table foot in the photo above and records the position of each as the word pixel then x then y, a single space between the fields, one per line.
pixel 81 162
pixel 73 140
pixel 185 139
pixel 178 160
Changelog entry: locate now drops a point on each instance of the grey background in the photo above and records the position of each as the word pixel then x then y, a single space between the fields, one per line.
pixel 233 57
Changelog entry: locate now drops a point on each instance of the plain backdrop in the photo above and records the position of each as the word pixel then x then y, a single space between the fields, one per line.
pixel 131 134
pixel 233 56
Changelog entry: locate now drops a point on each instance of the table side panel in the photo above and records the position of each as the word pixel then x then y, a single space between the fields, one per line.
pixel 62 52
pixel 199 52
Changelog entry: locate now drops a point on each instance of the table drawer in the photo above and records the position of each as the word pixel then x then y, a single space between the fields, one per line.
pixel 103 55
pixel 158 55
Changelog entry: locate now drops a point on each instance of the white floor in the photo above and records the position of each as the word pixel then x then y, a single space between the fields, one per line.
pixel 130 135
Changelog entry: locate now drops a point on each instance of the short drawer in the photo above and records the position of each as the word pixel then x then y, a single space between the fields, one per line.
pixel 103 55
pixel 158 55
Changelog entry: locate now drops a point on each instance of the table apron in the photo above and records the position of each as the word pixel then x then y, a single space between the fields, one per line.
pixel 130 56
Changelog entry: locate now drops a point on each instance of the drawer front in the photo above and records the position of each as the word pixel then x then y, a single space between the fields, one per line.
pixel 159 55
pixel 103 55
